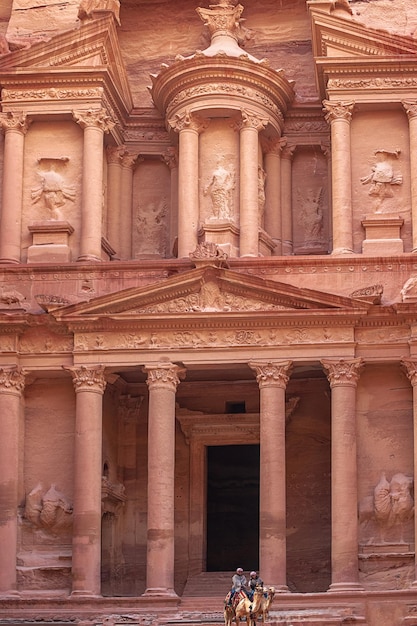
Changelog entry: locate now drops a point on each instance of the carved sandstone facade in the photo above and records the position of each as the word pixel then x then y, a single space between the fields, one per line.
pixel 208 291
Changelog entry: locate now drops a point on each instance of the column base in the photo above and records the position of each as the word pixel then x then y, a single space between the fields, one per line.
pixel 342 251
pixel 9 261
pixel 10 594
pixel 84 594
pixel 343 587
pixel 279 588
pixel 159 592
pixel 88 258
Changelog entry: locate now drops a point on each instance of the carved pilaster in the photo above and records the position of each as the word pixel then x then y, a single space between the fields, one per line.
pixel 342 372
pixel 338 110
pixel 14 120
pixel 97 118
pixel 12 380
pixel 409 367
pixel 410 107
pixel 272 373
pixel 164 375
pixel 88 378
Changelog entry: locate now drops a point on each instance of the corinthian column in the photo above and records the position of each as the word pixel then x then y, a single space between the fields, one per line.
pixel 249 127
pixel 339 115
pixel 272 378
pixel 286 198
pixel 15 127
pixel 162 381
pixel 129 162
pixel 95 123
pixel 189 126
pixel 170 157
pixel 89 384
pixel 343 377
pixel 273 213
pixel 411 110
pixel 11 388
pixel 114 175
pixel 410 368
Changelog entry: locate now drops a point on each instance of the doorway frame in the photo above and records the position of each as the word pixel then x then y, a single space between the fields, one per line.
pixel 202 430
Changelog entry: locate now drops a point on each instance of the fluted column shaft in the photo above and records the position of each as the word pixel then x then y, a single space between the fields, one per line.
pixel 339 115
pixel 343 376
pixel 273 212
pixel 250 126
pixel 272 378
pixel 11 388
pixel 189 127
pixel 411 110
pixel 89 384
pixel 15 127
pixel 286 199
pixel 410 368
pixel 162 381
pixel 126 213
pixel 95 123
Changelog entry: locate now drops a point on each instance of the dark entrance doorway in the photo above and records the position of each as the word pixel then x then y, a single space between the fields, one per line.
pixel 232 507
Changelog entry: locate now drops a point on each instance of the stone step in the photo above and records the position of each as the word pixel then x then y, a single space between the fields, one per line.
pixel 209 584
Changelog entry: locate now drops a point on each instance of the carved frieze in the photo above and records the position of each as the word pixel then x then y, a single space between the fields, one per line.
pixel 52 93
pixel 40 341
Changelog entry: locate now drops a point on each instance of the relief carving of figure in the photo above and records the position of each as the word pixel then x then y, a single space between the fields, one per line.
pixel 220 190
pixel 391 506
pixel 50 510
pixel 151 228
pixel 53 189
pixel 311 215
pixel 382 176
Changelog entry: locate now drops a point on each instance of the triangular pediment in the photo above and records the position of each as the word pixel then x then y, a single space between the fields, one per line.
pixel 204 291
pixel 346 50
pixel 93 48
pixel 337 34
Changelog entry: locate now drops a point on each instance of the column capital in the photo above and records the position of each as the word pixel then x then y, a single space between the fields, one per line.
pixel 94 118
pixel 338 110
pixel 288 150
pixel 12 380
pixel 88 378
pixel 250 119
pixel 170 157
pixel 409 367
pixel 188 121
pixel 272 373
pixel 342 372
pixel 14 120
pixel 273 146
pixel 115 154
pixel 164 375
pixel 410 107
pixel 129 159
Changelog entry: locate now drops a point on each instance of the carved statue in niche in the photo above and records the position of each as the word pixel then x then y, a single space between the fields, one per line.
pixel 382 177
pixel 261 194
pixel 390 507
pixel 48 509
pixel 220 189
pixel 53 190
pixel 151 227
pixel 310 217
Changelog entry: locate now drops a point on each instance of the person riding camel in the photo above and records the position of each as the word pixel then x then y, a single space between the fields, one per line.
pixel 238 584
pixel 254 581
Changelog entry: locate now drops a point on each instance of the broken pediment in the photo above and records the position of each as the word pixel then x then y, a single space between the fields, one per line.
pixel 343 46
pixel 207 290
pixel 92 47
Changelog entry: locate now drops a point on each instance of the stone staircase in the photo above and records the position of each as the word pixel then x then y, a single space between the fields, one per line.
pixel 204 594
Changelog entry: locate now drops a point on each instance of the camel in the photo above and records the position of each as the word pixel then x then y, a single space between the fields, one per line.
pixel 266 602
pixel 250 608
pixel 229 609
